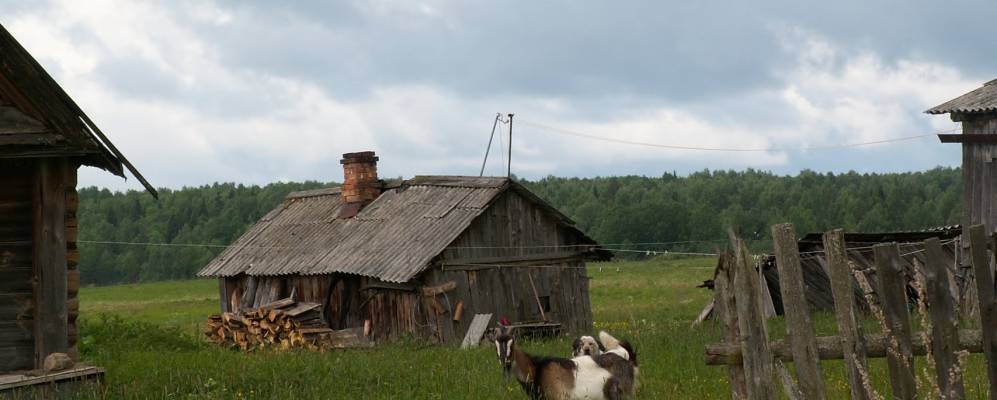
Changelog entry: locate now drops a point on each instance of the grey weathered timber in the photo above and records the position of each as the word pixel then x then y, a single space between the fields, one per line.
pixel 726 310
pixel 985 291
pixel 248 293
pixel 849 330
pixel 476 331
pixel 893 296
pixel 798 324
pixel 758 366
pixel 878 345
pixel 944 328
pixel 50 294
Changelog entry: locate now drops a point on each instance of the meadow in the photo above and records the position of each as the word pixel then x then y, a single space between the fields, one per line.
pixel 147 336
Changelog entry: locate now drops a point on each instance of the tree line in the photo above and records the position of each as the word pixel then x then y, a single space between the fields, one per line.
pixel 675 213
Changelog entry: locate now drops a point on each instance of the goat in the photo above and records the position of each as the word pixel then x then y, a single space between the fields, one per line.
pixel 608 376
pixel 585 346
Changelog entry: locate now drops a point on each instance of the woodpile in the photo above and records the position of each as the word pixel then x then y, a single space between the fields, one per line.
pixel 281 324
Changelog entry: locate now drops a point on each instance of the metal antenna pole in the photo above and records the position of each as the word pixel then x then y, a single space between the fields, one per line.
pixel 489 148
pixel 508 171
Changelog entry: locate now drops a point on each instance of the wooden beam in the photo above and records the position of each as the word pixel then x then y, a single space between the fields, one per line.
pixel 797 313
pixel 893 296
pixel 967 138
pixel 50 263
pixel 985 291
pixel 726 309
pixel 852 339
pixel 944 324
pixel 759 370
pixel 439 289
pixel 829 348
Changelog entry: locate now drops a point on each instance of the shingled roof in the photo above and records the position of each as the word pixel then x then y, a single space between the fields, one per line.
pixel 43 121
pixel 394 238
pixel 983 99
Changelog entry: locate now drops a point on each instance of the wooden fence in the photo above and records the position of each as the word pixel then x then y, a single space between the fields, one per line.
pixel 755 364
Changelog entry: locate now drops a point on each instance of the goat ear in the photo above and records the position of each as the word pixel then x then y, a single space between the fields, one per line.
pixel 492 334
pixel 576 344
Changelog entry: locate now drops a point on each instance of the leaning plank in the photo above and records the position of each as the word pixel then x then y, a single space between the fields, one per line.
pixel 985 291
pixel 476 331
pixel 758 363
pixel 78 373
pixel 852 341
pixel 726 310
pixel 944 329
pixel 893 296
pixel 797 313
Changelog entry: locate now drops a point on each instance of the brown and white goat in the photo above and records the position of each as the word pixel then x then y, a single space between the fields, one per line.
pixel 608 376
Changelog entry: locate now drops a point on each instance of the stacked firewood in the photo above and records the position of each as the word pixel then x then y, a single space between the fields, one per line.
pixel 282 324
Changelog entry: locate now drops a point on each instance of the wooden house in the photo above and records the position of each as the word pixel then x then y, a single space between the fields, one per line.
pixel 414 258
pixel 44 139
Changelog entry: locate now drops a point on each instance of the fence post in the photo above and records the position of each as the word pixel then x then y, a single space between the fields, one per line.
pixel 944 328
pixel 797 313
pixel 985 292
pixel 852 340
pixel 893 295
pixel 726 311
pixel 758 362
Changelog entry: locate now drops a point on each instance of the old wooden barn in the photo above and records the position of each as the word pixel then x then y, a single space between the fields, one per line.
pixel 417 257
pixel 44 138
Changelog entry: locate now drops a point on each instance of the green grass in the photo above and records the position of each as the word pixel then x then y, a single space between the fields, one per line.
pixel 147 337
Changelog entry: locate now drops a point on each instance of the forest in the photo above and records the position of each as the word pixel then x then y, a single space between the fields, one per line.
pixel 130 237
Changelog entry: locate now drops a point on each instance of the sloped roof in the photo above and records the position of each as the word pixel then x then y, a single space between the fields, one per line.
pixel 394 238
pixel 42 120
pixel 983 99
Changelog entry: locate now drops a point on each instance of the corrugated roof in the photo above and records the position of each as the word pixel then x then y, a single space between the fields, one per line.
pixel 983 99
pixel 394 238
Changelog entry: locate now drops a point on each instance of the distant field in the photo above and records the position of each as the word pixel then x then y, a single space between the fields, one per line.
pixel 147 337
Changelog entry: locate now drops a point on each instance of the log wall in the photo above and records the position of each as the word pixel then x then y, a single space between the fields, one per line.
pixel 16 310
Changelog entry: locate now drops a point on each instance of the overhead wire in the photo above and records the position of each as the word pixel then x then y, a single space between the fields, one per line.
pixel 729 149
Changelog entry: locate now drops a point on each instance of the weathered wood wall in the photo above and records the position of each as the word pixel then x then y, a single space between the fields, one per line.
pixel 16 311
pixel 978 174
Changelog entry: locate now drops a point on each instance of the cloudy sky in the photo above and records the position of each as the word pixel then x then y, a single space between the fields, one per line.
pixel 255 92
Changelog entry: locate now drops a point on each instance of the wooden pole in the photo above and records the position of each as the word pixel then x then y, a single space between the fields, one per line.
pixel 797 313
pixel 852 340
pixel 985 292
pixel 50 262
pixel 893 296
pixel 944 328
pixel 537 297
pixel 759 370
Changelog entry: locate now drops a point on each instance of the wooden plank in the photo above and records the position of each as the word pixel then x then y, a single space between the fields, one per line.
pixel 726 309
pixel 985 292
pixel 893 296
pixel 759 371
pixel 50 266
pixel 797 313
pixel 78 373
pixel 477 329
pixel 944 328
pixel 849 329
pixel 439 289
pixel 248 294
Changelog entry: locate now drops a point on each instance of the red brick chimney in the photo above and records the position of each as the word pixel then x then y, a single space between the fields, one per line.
pixel 360 183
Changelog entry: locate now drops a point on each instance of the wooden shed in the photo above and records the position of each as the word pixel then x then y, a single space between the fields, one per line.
pixel 44 139
pixel 418 257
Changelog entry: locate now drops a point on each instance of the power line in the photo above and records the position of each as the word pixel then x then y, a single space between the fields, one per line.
pixel 728 149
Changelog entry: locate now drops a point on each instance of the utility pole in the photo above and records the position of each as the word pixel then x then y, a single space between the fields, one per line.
pixel 508 172
pixel 498 116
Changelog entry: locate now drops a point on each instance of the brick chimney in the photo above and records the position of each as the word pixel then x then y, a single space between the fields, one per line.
pixel 360 183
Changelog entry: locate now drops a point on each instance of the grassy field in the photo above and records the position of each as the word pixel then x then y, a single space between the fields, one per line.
pixel 147 336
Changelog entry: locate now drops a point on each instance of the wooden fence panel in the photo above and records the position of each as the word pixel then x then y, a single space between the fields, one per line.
pixel 985 292
pixel 893 295
pixel 758 362
pixel 944 324
pixel 852 340
pixel 798 324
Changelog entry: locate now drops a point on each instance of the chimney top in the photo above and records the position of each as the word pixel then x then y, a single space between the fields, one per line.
pixel 362 156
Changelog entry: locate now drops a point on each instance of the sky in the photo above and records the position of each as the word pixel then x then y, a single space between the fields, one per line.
pixel 197 92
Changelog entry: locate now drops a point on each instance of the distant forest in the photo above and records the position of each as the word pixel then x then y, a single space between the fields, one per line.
pixel 622 212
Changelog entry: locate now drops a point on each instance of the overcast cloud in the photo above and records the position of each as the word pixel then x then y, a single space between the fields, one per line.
pixel 254 92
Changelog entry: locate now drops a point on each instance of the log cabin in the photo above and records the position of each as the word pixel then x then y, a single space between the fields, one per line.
pixel 44 139
pixel 414 258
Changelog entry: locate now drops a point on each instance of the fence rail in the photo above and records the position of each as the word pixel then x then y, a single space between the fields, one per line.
pixel 754 361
